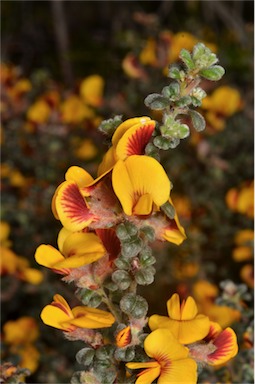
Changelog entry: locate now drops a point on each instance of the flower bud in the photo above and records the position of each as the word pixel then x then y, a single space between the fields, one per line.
pixel 123 337
pixel 134 305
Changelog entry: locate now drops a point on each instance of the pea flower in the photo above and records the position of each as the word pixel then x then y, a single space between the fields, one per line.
pixel 91 90
pixel 59 315
pixel 183 320
pixel 140 183
pixel 76 249
pixel 217 348
pixel 130 138
pixel 170 363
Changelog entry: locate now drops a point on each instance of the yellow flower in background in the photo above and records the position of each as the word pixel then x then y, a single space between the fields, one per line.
pixel 91 90
pixel 170 364
pixel 76 249
pixel 183 320
pixel 221 104
pixel 86 150
pixel 20 335
pixel 132 183
pixel 74 110
pixel 11 264
pixel 5 230
pixel 247 275
pixel 241 199
pixel 205 295
pixel 39 112
pixel 21 331
pixel 148 54
pixel 244 241
pixel 59 315
pixel 179 41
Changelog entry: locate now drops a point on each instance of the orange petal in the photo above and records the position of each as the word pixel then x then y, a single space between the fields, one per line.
pixel 71 207
pixel 135 139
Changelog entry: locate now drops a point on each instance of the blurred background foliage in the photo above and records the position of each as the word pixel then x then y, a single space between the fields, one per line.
pixel 55 55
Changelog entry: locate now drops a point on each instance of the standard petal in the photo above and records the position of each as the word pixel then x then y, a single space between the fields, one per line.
pixel 135 139
pixel 226 344
pixel 193 330
pixel 174 307
pixel 180 371
pixel 71 207
pixel 189 310
pixel 127 124
pixel 79 175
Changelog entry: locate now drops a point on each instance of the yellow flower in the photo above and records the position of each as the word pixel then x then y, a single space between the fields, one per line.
pixel 29 357
pixel 76 249
pixel 39 112
pixel 148 54
pixel 170 363
pixel 18 266
pixel 74 111
pixel 179 41
pixel 86 150
pixel 4 234
pixel 130 138
pixel 241 199
pixel 139 182
pixel 217 348
pixel 183 320
pixel 247 275
pixel 91 90
pixel 244 240
pixel 59 315
pixel 21 331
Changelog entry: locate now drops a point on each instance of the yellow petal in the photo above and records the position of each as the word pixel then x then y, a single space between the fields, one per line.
pixel 54 317
pixel 226 348
pixel 162 345
pixel 133 178
pixel 71 207
pixel 127 124
pixel 91 90
pixel 148 375
pixel 48 256
pixel 179 372
pixel 108 161
pixel 86 317
pixel 189 310
pixel 62 235
pixel 143 364
pixel 143 205
pixel 174 307
pixel 32 276
pixel 135 139
pixel 79 175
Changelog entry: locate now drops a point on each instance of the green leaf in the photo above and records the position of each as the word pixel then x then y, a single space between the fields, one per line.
pixel 214 73
pixel 198 121
pixel 162 143
pixel 109 126
pixel 134 305
pixel 85 356
pixel 184 101
pixel 174 72
pixel 168 210
pixel 156 101
pixel 186 57
pixel 172 91
pixel 121 278
pixel 183 131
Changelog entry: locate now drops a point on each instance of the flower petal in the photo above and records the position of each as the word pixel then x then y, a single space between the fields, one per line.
pixel 148 375
pixel 226 344
pixel 79 175
pixel 127 124
pixel 189 310
pixel 108 161
pixel 163 346
pixel 48 256
pixel 174 307
pixel 180 371
pixel 54 314
pixel 86 317
pixel 143 205
pixel 123 337
pixel 135 139
pixel 133 178
pixel 71 207
pixel 110 241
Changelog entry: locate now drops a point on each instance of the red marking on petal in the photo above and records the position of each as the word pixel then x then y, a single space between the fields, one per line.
pixel 74 205
pixel 60 306
pixel 225 343
pixel 110 242
pixel 137 142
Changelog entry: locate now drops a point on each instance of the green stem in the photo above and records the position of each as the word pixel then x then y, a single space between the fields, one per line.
pixel 111 306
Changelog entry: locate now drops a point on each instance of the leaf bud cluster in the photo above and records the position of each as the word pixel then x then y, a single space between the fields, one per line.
pixel 89 297
pixel 134 305
pixel 108 126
